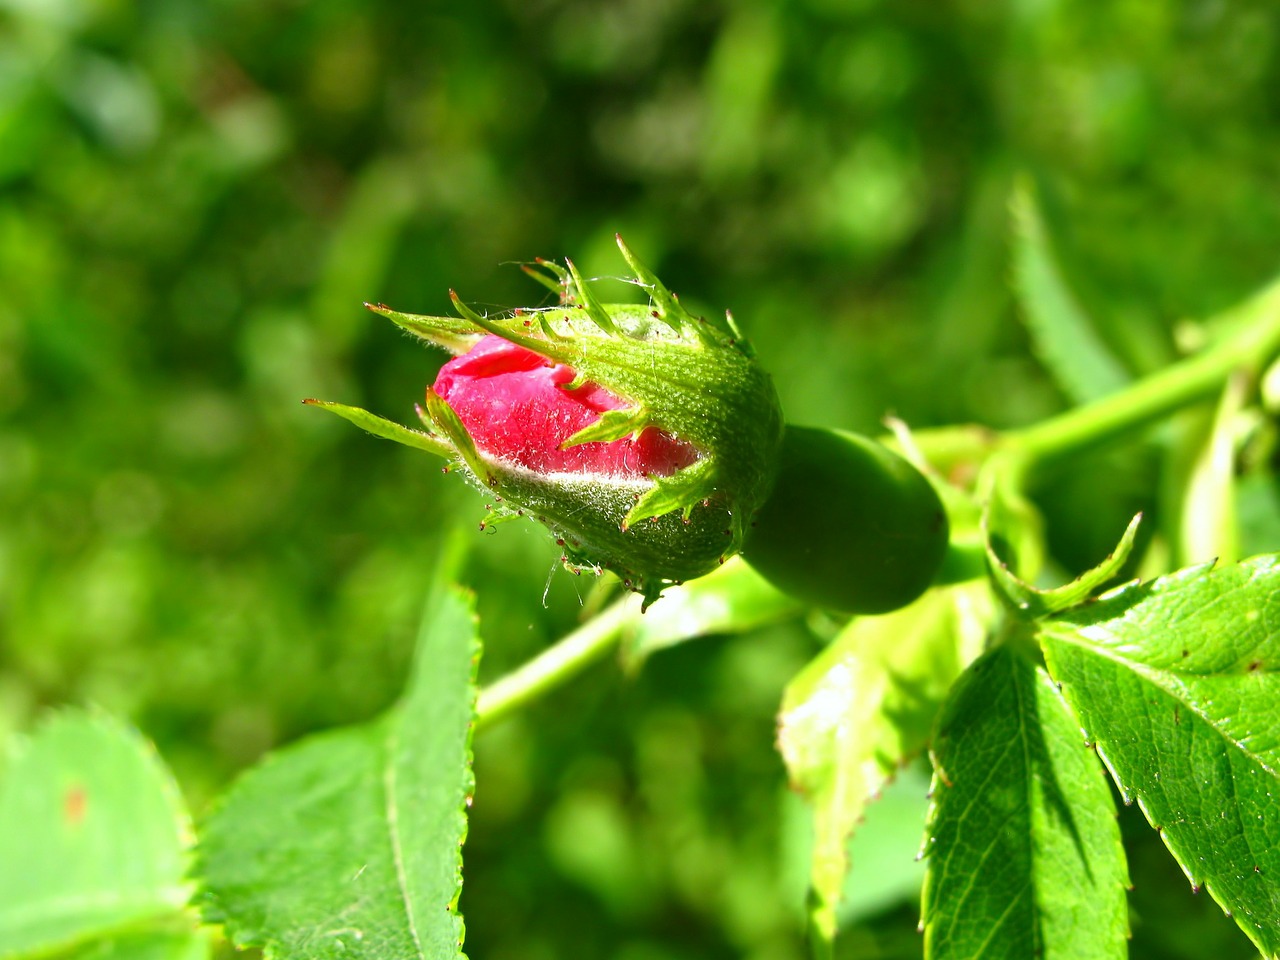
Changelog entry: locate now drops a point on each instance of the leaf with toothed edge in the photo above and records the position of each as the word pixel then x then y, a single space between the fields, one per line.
pixel 1023 846
pixel 861 709
pixel 1177 683
pixel 346 846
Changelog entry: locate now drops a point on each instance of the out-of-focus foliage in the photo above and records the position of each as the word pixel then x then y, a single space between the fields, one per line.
pixel 196 197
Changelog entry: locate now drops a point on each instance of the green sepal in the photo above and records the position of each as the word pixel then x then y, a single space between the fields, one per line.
pixel 558 283
pixel 665 303
pixel 1033 603
pixel 538 345
pixel 682 491
pixel 612 425
pixel 387 429
pixel 587 300
pixel 455 334
pixel 447 421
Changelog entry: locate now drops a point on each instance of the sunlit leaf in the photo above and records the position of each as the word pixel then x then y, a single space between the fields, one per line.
pixel 1024 849
pixel 347 844
pixel 1177 682
pixel 93 836
pixel 861 709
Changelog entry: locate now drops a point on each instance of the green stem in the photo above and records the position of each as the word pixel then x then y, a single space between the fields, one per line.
pixel 1196 378
pixel 555 665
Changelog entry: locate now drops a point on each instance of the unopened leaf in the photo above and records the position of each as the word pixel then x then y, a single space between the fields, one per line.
pixel 93 837
pixel 1177 682
pixel 347 845
pixel 1024 848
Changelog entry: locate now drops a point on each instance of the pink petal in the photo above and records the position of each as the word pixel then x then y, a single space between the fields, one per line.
pixel 514 404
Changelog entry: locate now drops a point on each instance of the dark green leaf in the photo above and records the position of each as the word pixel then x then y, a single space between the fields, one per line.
pixel 1177 682
pixel 347 845
pixel 93 835
pixel 1024 849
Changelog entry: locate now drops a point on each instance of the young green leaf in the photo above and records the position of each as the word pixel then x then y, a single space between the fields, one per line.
pixel 864 707
pixel 1177 683
pixel 1024 849
pixel 1062 333
pixel 347 844
pixel 93 836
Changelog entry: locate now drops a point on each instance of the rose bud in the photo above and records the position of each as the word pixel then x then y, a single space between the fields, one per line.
pixel 643 437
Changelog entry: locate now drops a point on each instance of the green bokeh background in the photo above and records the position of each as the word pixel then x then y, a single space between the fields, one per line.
pixel 196 197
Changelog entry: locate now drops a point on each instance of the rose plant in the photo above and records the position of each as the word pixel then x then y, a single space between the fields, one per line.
pixel 651 443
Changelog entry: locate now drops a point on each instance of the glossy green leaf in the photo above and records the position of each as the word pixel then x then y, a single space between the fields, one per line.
pixel 1177 682
pixel 93 837
pixel 862 708
pixel 347 844
pixel 1062 333
pixel 1024 848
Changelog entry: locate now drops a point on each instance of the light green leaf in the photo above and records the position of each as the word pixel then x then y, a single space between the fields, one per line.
pixel 1178 683
pixel 1209 529
pixel 348 844
pixel 153 945
pixel 1064 337
pixel 93 835
pixel 861 709
pixel 731 599
pixel 1024 849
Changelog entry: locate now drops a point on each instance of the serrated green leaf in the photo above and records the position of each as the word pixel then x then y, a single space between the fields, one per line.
pixel 1033 602
pixel 861 709
pixel 1178 683
pixel 93 835
pixel 731 599
pixel 1024 848
pixel 347 845
pixel 1064 337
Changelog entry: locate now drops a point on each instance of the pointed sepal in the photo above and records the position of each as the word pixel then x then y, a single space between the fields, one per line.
pixel 387 429
pixel 612 425
pixel 682 491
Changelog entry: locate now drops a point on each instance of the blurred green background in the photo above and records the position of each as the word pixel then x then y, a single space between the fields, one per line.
pixel 196 197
